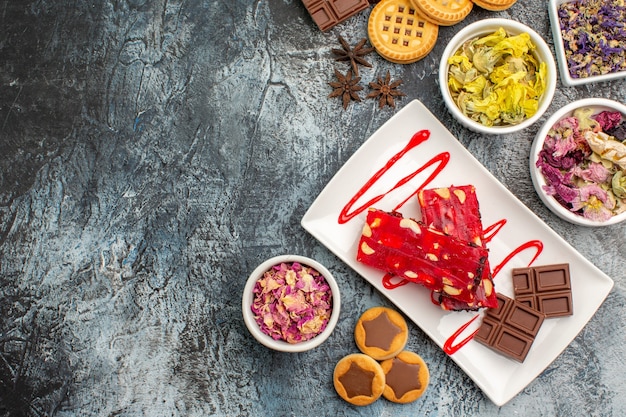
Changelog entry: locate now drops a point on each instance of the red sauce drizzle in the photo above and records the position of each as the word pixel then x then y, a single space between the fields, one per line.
pixel 389 284
pixel 537 244
pixel 417 139
pixel 493 230
pixel 449 348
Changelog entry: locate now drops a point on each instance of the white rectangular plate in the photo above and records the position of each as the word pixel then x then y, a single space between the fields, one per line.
pixel 500 378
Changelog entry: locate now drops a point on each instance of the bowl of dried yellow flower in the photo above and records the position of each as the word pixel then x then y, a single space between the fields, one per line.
pixel 497 76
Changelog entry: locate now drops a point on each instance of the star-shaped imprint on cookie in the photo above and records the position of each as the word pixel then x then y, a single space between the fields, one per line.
pixel 357 381
pixel 403 377
pixel 380 332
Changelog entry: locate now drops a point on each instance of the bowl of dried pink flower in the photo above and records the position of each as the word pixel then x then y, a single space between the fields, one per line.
pixel 291 303
pixel 578 162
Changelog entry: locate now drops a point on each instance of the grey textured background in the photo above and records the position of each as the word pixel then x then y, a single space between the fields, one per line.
pixel 152 153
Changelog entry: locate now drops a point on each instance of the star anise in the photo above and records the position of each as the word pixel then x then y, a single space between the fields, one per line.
pixel 355 56
pixel 346 87
pixel 385 90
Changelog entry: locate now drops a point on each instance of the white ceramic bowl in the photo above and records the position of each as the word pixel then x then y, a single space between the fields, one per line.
pixel 281 345
pixel 559 48
pixel 598 105
pixel 485 27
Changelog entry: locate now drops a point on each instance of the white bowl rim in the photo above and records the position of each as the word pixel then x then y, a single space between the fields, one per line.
pixel 485 26
pixel 538 178
pixel 280 345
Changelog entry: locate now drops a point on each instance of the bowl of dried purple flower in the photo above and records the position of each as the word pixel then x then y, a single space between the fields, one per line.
pixel 291 303
pixel 497 76
pixel 578 162
pixel 589 39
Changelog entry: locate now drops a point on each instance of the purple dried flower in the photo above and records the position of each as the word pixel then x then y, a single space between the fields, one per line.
pixel 608 119
pixel 593 36
pixel 618 132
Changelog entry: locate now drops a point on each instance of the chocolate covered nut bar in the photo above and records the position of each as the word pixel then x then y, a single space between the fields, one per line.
pixel 510 329
pixel 455 211
pixel 328 13
pixel 545 288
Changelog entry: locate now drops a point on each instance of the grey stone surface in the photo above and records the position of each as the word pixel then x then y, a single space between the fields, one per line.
pixel 152 153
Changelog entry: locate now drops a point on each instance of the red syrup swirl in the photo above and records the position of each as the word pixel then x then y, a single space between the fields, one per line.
pixel 389 284
pixel 492 230
pixel 441 160
pixel 449 347
pixel 536 244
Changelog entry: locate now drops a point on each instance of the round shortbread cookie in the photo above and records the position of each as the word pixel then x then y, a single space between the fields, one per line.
pixel 381 333
pixel 406 377
pixel 359 379
pixel 444 12
pixel 494 5
pixel 399 33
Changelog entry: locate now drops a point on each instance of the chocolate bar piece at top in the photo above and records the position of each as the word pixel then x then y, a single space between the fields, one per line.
pixel 328 13
pixel 510 329
pixel 546 288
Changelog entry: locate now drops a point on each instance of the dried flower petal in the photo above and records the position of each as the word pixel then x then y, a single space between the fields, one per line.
pixel 292 302
pixel 595 203
pixel 583 166
pixel 496 80
pixel 618 183
pixel 594 38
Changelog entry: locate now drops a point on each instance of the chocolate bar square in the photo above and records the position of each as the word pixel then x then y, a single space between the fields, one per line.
pixel 328 13
pixel 510 329
pixel 545 288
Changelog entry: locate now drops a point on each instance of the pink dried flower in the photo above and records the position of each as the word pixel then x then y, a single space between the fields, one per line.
pixel 595 203
pixel 595 172
pixel 292 302
pixel 608 119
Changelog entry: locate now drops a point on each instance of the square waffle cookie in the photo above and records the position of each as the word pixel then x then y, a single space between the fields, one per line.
pixel 399 33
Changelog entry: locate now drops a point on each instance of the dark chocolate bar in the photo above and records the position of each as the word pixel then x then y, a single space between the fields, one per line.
pixel 328 13
pixel 510 329
pixel 546 288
